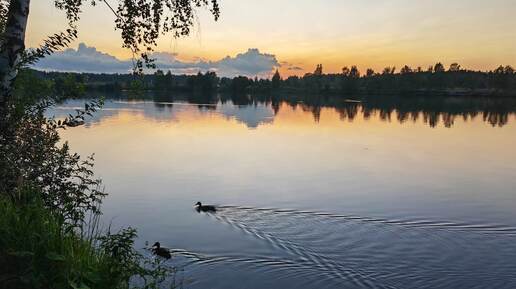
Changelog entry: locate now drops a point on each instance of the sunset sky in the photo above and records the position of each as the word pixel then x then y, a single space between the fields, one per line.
pixel 478 34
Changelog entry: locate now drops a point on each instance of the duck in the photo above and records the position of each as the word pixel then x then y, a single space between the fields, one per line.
pixel 204 208
pixel 160 251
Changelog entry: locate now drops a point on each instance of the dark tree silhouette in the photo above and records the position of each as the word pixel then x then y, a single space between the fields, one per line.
pixel 318 70
pixel 498 82
pixel 345 71
pixel 203 84
pixel 276 80
pixel 454 67
pixel 406 69
pixel 389 70
pixel 353 72
pixel 509 70
pixel 439 67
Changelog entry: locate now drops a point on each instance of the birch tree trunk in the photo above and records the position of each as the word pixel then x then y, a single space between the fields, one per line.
pixel 11 50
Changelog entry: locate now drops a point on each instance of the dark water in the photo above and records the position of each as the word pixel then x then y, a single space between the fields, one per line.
pixel 360 195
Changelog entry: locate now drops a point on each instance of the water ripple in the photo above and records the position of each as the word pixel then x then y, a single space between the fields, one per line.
pixel 325 250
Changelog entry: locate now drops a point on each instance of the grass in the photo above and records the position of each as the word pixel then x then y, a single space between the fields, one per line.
pixel 37 252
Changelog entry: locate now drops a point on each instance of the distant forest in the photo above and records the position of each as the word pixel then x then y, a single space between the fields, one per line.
pixel 436 80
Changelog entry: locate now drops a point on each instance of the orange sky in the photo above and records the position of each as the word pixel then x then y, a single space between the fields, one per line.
pixel 478 34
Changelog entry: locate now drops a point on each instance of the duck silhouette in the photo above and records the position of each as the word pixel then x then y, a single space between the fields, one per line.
pixel 204 208
pixel 160 251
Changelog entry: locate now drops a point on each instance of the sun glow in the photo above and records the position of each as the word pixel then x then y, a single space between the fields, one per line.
pixel 301 34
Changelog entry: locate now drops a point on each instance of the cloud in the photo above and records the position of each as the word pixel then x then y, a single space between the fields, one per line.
pixel 250 63
pixel 84 59
pixel 88 59
pixel 295 68
pixel 291 67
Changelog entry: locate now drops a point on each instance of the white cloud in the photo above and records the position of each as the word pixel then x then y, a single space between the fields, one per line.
pixel 88 59
pixel 250 63
pixel 84 59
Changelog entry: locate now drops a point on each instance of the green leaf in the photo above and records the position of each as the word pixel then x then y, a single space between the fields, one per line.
pixel 55 256
pixel 21 253
pixel 80 286
pixel 73 285
pixel 93 277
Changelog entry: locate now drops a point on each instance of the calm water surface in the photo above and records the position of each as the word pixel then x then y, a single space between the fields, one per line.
pixel 311 198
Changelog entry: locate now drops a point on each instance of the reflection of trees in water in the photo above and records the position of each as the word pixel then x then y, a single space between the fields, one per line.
pixel 348 112
pixel 315 110
pixel 238 99
pixel 432 118
pixel 434 111
pixel 161 106
pixel 494 119
pixel 203 101
pixel 275 104
pixel 431 110
pixel 163 100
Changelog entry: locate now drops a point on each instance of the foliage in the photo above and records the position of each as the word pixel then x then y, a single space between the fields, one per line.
pixel 4 5
pixel 203 83
pixel 455 81
pixel 48 199
pixel 53 43
pixel 439 67
pixel 276 80
pixel 409 81
pixel 34 157
pixel 142 21
pixel 35 252
pixel 240 84
pixel 69 86
pixel 318 70
pixel 29 88
pixel 43 230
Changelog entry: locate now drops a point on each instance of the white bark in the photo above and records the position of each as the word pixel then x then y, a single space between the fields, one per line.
pixel 12 48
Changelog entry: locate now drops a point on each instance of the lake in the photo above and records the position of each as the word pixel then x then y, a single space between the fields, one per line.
pixel 359 195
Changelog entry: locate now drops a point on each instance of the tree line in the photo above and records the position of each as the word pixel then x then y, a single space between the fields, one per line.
pixel 434 80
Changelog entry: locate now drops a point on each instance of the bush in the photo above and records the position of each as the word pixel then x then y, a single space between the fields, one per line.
pixel 50 210
pixel 37 253
pixel 33 157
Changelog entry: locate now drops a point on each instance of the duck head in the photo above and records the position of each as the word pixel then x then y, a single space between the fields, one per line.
pixel 198 204
pixel 157 245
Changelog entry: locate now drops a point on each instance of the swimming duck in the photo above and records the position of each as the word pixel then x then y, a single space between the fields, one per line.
pixel 204 208
pixel 160 251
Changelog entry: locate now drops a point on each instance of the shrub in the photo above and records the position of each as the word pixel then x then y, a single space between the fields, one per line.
pixel 50 209
pixel 37 253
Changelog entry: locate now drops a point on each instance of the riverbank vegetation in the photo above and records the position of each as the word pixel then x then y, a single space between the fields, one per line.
pixel 37 252
pixel 50 233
